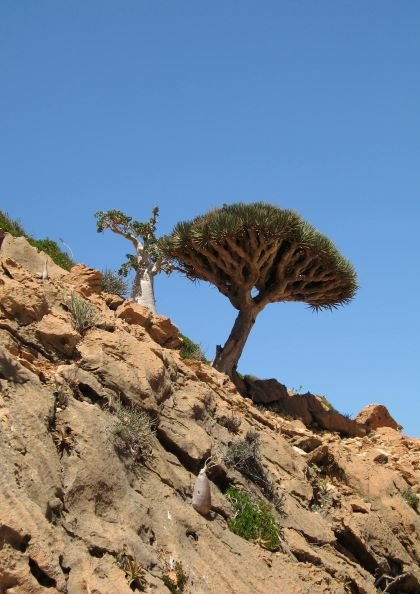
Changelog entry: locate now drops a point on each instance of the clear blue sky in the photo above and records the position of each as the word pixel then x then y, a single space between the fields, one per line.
pixel 313 106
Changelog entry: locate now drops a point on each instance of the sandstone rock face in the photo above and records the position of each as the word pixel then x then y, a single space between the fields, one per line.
pixel 85 280
pixel 28 257
pixel 333 421
pixel 82 493
pixel 21 300
pixel 305 407
pixel 57 333
pixel 159 328
pixel 375 416
pixel 126 366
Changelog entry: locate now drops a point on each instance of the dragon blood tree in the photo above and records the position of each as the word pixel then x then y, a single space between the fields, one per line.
pixel 147 261
pixel 257 254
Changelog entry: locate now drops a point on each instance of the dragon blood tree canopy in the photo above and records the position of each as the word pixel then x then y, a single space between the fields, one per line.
pixel 257 254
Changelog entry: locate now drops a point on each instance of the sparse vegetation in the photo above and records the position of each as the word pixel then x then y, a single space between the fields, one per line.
pixel 191 350
pixel 174 576
pixel 48 246
pixel 322 498
pixel 326 402
pixel 132 434
pixel 114 283
pixel 176 579
pixel 253 520
pixel 134 572
pixel 84 314
pixel 63 439
pixel 205 409
pixel 250 378
pixel 231 422
pixel 244 455
pixel 411 499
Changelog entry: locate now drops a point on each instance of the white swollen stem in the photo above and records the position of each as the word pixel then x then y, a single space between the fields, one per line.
pixel 44 275
pixel 201 500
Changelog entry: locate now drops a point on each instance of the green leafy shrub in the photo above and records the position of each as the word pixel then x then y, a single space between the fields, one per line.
pixel 191 350
pixel 326 403
pixel 253 520
pixel 84 314
pixel 114 283
pixel 411 499
pixel 45 245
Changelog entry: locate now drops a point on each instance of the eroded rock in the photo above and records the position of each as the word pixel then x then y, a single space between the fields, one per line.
pixel 85 280
pixel 57 333
pixel 375 416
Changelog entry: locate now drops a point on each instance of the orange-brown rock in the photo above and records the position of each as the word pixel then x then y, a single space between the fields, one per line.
pixel 112 301
pixel 22 300
pixel 265 391
pixel 375 416
pixel 134 313
pixel 165 333
pixel 85 280
pixel 160 328
pixel 334 421
pixel 57 333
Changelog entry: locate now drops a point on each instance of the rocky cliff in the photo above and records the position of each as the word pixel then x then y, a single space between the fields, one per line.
pixel 104 429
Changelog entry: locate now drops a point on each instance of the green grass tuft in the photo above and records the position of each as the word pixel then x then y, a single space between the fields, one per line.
pixel 45 245
pixel 253 520
pixel 411 499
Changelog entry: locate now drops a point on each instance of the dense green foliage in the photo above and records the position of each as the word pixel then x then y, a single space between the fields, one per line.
pixel 231 243
pixel 253 520
pixel 45 245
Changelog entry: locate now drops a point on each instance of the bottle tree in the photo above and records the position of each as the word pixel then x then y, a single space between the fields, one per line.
pixel 257 254
pixel 147 261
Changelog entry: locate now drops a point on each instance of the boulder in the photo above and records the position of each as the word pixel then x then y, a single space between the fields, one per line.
pixel 112 301
pixel 57 333
pixel 165 333
pixel 160 328
pixel 331 420
pixel 375 416
pixel 22 299
pixel 133 313
pixel 265 391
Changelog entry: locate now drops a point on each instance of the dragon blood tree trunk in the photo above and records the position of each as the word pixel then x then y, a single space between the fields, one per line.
pixel 227 358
